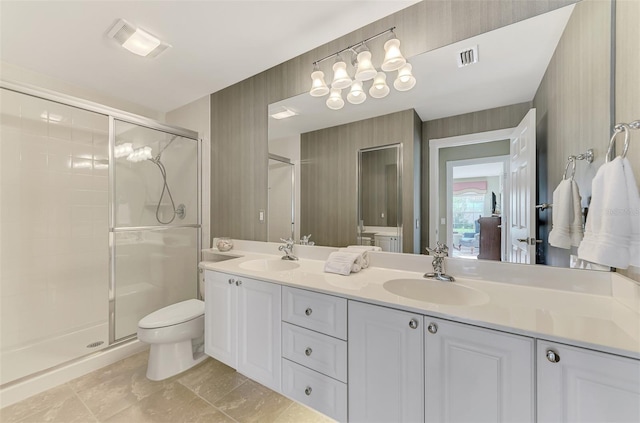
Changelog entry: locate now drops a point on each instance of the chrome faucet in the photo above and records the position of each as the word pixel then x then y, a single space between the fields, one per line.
pixel 287 248
pixel 439 253
pixel 305 240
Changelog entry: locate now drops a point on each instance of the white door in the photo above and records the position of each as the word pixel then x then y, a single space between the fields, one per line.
pixel 579 385
pixel 220 317
pixel 259 331
pixel 385 365
pixel 477 375
pixel 522 226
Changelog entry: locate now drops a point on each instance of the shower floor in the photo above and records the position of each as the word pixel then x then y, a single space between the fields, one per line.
pixel 24 361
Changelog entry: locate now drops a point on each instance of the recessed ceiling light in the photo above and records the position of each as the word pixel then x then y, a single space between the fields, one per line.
pixel 284 113
pixel 136 40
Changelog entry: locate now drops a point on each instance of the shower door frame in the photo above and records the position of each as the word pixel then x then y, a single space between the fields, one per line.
pixel 113 115
pixel 171 130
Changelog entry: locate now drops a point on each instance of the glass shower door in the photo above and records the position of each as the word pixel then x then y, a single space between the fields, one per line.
pixel 155 223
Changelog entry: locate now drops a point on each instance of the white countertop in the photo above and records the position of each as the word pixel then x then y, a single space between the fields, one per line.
pixel 600 320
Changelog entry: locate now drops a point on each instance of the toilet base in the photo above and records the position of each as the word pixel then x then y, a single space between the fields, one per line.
pixel 166 360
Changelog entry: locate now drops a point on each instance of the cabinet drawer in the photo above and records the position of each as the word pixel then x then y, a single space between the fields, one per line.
pixel 319 352
pixel 319 312
pixel 318 391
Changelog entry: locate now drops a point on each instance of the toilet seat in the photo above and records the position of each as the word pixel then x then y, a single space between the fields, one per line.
pixel 173 314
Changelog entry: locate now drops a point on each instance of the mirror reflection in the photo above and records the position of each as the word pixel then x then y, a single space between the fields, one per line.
pixel 550 73
pixel 379 203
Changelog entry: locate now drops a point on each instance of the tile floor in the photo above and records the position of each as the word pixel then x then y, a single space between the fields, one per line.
pixel 120 393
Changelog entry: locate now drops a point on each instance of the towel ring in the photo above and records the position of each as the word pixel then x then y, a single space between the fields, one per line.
pixel 570 161
pixel 622 127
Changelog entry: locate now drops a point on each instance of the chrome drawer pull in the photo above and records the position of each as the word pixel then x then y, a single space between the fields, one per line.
pixel 432 328
pixel 308 351
pixel 307 390
pixel 308 311
pixel 231 281
pixel 413 323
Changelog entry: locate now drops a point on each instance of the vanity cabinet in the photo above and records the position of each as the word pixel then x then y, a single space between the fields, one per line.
pixel 314 350
pixel 388 243
pixel 386 373
pixel 242 325
pixel 578 385
pixel 474 374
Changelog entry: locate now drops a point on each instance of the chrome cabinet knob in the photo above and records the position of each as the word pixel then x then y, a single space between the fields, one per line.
pixel 308 311
pixel 432 328
pixel 413 323
pixel 553 356
pixel 231 281
pixel 308 390
pixel 308 351
pixel 238 282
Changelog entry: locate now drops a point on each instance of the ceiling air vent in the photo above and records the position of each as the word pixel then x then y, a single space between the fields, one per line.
pixel 468 56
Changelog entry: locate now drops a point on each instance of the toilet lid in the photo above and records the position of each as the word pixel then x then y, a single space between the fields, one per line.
pixel 173 314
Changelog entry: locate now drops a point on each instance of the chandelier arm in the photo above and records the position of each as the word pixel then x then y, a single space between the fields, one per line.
pixel 351 47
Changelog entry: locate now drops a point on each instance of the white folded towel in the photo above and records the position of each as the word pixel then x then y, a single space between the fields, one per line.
pixel 362 260
pixel 342 263
pixel 612 232
pixel 567 215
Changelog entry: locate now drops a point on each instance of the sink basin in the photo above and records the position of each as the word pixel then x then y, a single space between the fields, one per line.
pixel 436 292
pixel 269 265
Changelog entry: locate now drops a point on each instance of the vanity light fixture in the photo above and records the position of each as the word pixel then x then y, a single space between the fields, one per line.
pixel 136 40
pixel 335 101
pixel 364 70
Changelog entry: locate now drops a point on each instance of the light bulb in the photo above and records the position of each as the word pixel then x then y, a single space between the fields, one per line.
pixel 379 89
pixel 341 78
pixel 365 71
pixel 405 80
pixel 393 59
pixel 356 95
pixel 335 101
pixel 318 86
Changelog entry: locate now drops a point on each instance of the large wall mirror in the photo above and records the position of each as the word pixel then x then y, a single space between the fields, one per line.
pixel 556 66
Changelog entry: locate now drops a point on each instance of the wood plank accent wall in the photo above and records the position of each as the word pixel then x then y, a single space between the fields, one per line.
pixel 239 112
pixel 628 86
pixel 328 174
pixel 573 110
pixel 469 123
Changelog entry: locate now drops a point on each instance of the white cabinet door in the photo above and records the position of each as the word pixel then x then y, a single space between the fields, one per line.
pixel 580 385
pixel 385 365
pixel 477 375
pixel 220 317
pixel 259 329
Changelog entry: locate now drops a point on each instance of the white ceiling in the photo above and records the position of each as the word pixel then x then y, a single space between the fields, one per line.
pixel 478 170
pixel 215 43
pixel 513 60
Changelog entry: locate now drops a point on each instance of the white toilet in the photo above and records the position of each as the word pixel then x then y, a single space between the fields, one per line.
pixel 176 335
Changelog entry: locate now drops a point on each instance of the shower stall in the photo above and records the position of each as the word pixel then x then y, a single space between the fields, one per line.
pixel 99 226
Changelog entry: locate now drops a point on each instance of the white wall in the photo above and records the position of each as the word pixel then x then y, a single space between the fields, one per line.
pixel 13 73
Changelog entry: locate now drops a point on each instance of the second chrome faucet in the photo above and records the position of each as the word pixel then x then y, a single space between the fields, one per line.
pixel 439 253
pixel 287 249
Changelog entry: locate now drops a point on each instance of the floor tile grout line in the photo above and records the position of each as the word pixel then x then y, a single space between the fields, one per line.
pixel 85 405
pixel 33 413
pixel 285 410
pixel 210 403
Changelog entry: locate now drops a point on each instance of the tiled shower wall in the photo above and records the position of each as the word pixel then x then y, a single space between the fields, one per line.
pixel 53 227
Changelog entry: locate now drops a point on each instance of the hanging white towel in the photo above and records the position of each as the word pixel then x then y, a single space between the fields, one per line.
pixel 567 215
pixel 342 263
pixel 612 232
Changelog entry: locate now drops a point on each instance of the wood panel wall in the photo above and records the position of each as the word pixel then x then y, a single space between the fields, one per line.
pixel 628 85
pixel 573 110
pixel 328 174
pixel 239 112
